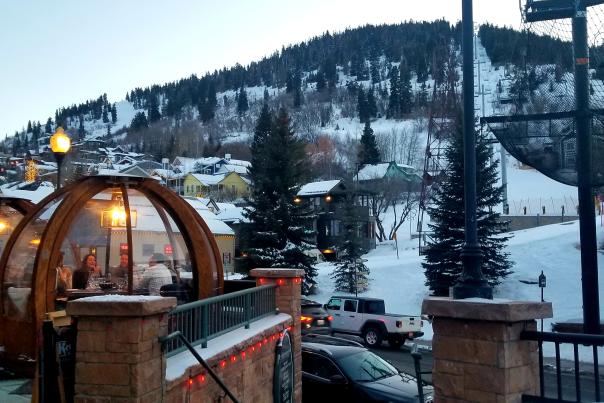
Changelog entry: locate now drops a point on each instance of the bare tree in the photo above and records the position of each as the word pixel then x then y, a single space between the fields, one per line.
pixel 391 193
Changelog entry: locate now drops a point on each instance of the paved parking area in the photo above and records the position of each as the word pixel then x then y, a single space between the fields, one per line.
pixel 8 386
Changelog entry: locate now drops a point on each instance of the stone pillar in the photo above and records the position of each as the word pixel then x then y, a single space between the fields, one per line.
pixel 289 287
pixel 118 356
pixel 478 354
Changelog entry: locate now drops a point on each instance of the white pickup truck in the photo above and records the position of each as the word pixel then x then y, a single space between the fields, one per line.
pixel 367 318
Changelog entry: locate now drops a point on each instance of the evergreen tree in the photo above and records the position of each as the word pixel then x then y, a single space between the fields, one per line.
pixel 242 104
pixel 350 274
pixel 153 110
pixel 139 122
pixel 362 106
pixel 48 126
pixel 371 104
pixel 113 114
pixel 368 150
pixel 266 96
pixel 394 101
pixel 280 228
pixel 105 113
pixel 29 129
pixel 321 83
pixel 405 92
pixel 442 262
pixel 81 129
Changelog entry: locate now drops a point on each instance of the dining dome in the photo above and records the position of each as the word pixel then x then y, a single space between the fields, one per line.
pixel 102 235
pixel 12 210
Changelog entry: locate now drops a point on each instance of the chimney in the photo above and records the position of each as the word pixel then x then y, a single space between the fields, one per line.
pixel 227 157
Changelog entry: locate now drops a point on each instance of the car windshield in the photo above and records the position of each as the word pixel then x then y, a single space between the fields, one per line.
pixel 366 367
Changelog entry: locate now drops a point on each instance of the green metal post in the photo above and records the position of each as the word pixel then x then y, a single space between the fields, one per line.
pixel 205 319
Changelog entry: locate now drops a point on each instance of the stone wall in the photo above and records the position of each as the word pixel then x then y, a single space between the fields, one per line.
pixel 531 221
pixel 478 353
pixel 246 368
pixel 118 356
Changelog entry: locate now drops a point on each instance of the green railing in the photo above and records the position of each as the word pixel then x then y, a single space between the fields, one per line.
pixel 208 318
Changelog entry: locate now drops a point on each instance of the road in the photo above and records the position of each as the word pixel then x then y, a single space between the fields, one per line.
pixel 404 362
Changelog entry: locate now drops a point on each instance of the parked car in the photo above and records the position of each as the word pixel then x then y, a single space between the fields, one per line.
pixel 367 317
pixel 342 370
pixel 314 318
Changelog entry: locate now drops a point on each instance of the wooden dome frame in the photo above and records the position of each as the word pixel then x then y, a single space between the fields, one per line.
pixel 19 335
pixel 23 206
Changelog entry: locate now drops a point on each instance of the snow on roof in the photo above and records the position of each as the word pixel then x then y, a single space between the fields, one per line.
pixel 239 162
pixel 216 226
pixel 231 213
pixel 240 169
pixel 209 180
pixel 33 195
pixel 318 188
pixel 376 171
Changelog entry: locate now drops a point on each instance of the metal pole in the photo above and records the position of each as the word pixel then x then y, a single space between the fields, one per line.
pixel 504 180
pixel 471 283
pixel 587 216
pixel 59 157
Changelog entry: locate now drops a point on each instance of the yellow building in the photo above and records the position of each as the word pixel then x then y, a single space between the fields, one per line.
pixel 229 185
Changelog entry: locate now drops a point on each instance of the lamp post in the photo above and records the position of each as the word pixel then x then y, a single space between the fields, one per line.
pixel 471 283
pixel 60 143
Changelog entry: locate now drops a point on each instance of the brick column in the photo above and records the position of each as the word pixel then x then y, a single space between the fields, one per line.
pixel 289 282
pixel 478 354
pixel 118 355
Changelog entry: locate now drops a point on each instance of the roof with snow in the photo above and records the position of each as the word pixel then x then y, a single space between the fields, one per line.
pixel 31 191
pixel 209 180
pixel 318 188
pixel 388 169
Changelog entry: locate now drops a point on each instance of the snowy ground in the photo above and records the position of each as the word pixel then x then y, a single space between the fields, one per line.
pixel 553 249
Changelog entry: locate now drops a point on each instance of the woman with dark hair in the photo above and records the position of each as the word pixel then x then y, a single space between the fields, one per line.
pixel 87 269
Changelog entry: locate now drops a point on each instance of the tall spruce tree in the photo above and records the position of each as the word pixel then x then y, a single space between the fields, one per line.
pixel 442 262
pixel 350 273
pixel 368 149
pixel 242 104
pixel 394 101
pixel 280 228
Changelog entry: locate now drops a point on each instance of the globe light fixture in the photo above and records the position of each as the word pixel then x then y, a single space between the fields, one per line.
pixel 60 143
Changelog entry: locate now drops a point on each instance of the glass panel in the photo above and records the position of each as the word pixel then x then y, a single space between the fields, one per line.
pixel 20 264
pixel 154 271
pixel 9 218
pixel 90 252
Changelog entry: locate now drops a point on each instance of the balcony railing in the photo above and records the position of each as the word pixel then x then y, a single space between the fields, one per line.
pixel 582 389
pixel 209 318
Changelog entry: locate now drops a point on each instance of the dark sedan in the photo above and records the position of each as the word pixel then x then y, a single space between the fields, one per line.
pixel 346 371
pixel 314 318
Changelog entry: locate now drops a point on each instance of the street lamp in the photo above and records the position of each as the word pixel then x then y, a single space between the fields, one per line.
pixel 60 143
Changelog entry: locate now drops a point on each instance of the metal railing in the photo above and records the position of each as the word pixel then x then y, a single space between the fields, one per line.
pixel 209 318
pixel 576 340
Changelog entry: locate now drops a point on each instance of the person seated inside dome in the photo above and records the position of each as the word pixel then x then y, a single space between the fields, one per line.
pixel 88 269
pixel 156 275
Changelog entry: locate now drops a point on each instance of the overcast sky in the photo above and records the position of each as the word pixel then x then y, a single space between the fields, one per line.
pixel 57 53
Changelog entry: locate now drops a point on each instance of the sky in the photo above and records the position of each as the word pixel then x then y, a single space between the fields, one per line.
pixel 63 52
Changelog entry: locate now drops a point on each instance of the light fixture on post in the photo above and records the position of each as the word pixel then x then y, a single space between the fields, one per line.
pixel 60 143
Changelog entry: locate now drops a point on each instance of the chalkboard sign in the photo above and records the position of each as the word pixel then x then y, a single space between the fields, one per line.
pixel 283 381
